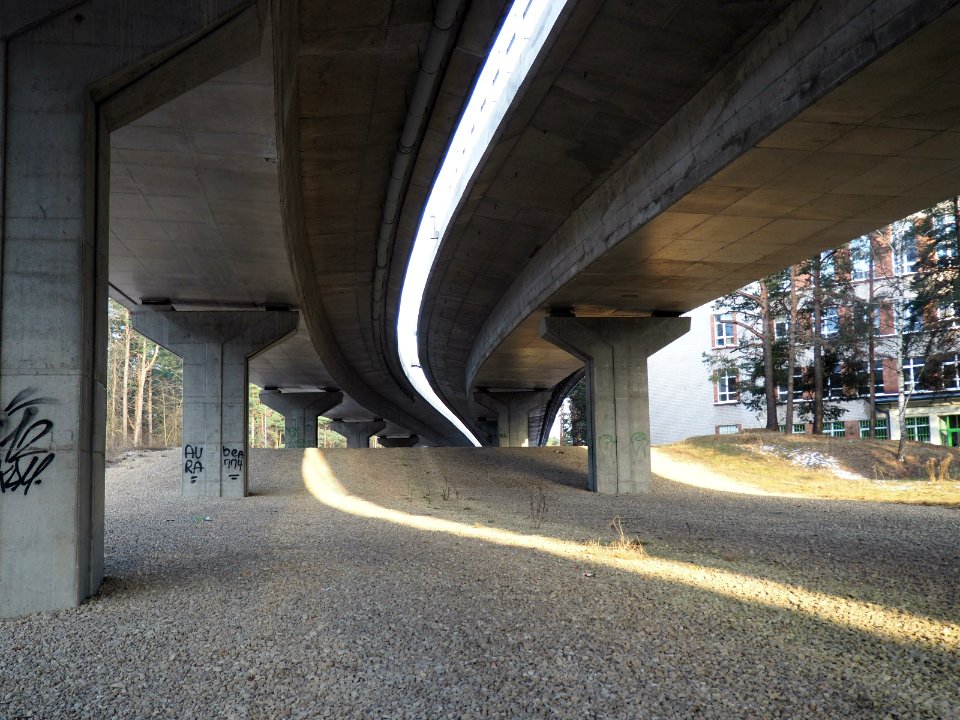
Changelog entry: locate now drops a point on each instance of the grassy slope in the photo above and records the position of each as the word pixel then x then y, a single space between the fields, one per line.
pixel 760 459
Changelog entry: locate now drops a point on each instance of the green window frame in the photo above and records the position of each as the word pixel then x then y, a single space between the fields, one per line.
pixel 834 428
pixel 918 429
pixel 880 429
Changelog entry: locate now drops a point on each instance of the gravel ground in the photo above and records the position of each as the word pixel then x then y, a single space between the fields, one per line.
pixel 280 606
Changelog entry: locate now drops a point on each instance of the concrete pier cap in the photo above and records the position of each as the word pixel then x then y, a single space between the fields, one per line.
pixel 358 432
pixel 513 408
pixel 300 411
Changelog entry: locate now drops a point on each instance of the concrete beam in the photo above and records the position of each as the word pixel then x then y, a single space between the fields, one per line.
pixel 615 351
pixel 812 49
pixel 357 433
pixel 398 442
pixel 300 411
pixel 215 347
pixel 513 413
pixel 335 356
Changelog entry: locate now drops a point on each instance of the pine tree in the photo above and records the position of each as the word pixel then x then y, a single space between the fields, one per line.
pixel 832 320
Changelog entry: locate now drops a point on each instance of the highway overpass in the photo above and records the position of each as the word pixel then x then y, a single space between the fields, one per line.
pixel 248 177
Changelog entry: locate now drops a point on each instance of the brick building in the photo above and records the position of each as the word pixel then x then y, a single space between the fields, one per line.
pixel 684 402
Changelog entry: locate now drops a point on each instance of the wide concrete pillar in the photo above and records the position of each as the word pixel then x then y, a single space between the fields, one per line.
pixel 300 411
pixel 615 351
pixel 513 413
pixel 357 433
pixel 215 347
pixel 398 442
pixel 63 70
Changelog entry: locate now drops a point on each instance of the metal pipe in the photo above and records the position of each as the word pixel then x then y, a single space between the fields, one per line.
pixel 444 26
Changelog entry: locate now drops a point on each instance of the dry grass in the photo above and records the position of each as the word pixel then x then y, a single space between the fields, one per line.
pixel 760 459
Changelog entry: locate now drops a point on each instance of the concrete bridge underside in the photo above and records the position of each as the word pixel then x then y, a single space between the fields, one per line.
pixel 248 177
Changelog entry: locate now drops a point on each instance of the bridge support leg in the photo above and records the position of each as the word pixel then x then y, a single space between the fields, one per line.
pixel 54 182
pixel 300 411
pixel 53 312
pixel 215 347
pixel 357 433
pixel 398 442
pixel 615 351
pixel 513 413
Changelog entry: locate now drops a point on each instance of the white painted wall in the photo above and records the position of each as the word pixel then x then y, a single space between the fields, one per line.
pixel 681 394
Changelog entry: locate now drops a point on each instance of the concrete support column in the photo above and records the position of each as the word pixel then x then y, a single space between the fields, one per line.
pixel 215 347
pixel 53 308
pixel 62 70
pixel 300 411
pixel 615 351
pixel 513 413
pixel 357 433
pixel 398 442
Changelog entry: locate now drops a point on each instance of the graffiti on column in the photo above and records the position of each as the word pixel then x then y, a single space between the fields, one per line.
pixel 608 444
pixel 193 462
pixel 21 461
pixel 233 462
pixel 292 436
pixel 641 444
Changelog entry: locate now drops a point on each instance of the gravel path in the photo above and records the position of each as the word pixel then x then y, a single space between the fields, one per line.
pixel 471 584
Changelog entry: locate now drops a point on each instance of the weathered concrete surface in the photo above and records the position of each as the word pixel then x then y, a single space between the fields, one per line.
pixel 300 411
pixel 215 347
pixel 357 432
pixel 344 79
pixel 60 73
pixel 708 175
pixel 615 351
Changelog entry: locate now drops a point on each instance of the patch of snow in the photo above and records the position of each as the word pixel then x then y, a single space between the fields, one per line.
pixel 811 459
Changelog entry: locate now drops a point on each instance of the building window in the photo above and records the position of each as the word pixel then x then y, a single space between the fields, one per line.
pixel 781 329
pixel 830 322
pixel 723 332
pixel 860 258
pixel 726 387
pixel 918 429
pixel 728 429
pixel 798 387
pixel 911 320
pixel 799 429
pixel 828 264
pixel 864 389
pixel 950 373
pixel 834 428
pixel 879 429
pixel 946 251
pixel 912 368
pixel 834 386
pixel 947 315
pixel 906 259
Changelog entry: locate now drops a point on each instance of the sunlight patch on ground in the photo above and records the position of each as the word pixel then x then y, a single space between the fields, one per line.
pixel 698 476
pixel 886 623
